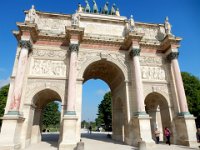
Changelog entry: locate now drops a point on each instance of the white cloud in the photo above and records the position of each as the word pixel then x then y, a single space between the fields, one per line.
pixel 4 82
pixel 102 92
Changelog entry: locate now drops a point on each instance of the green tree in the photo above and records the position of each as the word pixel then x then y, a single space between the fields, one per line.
pixel 51 116
pixel 3 98
pixel 105 112
pixel 192 91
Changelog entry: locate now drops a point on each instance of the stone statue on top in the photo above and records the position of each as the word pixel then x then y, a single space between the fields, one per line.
pixel 131 24
pixel 167 26
pixel 31 16
pixel 75 20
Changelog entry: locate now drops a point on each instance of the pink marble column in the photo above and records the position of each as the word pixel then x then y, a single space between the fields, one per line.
pixel 71 98
pixel 18 83
pixel 138 82
pixel 179 83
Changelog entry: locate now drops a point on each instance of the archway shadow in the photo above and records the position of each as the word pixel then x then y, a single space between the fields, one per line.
pixel 102 136
pixel 51 138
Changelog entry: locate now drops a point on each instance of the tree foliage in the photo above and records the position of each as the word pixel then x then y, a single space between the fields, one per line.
pixel 51 115
pixel 192 91
pixel 105 112
pixel 3 98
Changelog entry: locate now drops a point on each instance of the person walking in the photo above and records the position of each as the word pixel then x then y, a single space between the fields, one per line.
pixel 198 135
pixel 90 129
pixel 157 135
pixel 167 135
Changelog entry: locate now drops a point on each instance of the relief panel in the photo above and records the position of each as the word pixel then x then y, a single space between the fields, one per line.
pixel 47 68
pixel 53 25
pixel 153 73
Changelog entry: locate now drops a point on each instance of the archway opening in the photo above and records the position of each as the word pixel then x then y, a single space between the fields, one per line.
pixel 111 74
pixel 158 109
pixel 46 117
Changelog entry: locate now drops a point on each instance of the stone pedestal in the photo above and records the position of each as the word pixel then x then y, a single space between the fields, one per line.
pixel 186 130
pixel 69 140
pixel 10 132
pixel 142 129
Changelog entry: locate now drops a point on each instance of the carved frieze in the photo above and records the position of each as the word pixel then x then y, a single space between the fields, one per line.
pixel 159 88
pixel 151 33
pixel 151 61
pixel 153 73
pixel 85 56
pixel 53 25
pixel 48 68
pixel 50 54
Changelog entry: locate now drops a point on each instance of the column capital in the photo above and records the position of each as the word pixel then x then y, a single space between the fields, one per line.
pixel 172 55
pixel 25 44
pixel 135 52
pixel 73 47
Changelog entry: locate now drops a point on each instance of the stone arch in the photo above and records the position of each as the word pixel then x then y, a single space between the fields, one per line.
pixel 35 88
pixel 40 99
pixel 157 107
pixel 114 73
pixel 86 63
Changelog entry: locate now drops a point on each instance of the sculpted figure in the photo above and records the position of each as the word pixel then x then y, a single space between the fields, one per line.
pixel 131 24
pixel 80 8
pixel 75 19
pixel 167 26
pixel 31 16
pixel 117 13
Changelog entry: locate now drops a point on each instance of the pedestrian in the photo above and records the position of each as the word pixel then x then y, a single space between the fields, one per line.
pixel 198 135
pixel 90 129
pixel 167 135
pixel 157 135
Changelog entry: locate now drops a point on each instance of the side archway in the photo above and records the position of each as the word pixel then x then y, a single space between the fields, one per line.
pixel 158 109
pixel 40 100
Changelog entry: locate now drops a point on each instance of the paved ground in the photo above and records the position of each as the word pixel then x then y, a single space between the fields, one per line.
pixel 97 141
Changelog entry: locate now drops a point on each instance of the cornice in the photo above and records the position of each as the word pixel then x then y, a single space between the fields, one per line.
pixel 31 28
pixel 169 41
pixel 70 31
pixel 130 37
pixel 105 39
pixel 51 14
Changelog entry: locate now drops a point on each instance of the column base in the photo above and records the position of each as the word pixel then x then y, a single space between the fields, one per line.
pixel 142 130
pixel 8 146
pixel 10 132
pixel 186 130
pixel 69 140
pixel 63 146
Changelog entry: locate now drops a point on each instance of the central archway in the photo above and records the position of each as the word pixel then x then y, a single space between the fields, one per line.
pixel 111 74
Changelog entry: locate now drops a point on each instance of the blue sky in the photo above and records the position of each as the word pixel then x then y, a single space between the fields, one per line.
pixel 184 15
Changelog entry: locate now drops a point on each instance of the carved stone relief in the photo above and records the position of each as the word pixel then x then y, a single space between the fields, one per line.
pixel 84 56
pixel 151 61
pixel 50 54
pixel 158 88
pixel 48 68
pixel 151 33
pixel 36 86
pixel 53 25
pixel 153 73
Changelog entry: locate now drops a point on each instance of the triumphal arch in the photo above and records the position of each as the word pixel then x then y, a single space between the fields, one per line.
pixel 57 53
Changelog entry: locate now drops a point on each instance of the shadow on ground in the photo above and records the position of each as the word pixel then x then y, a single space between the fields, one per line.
pixel 51 138
pixel 101 137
